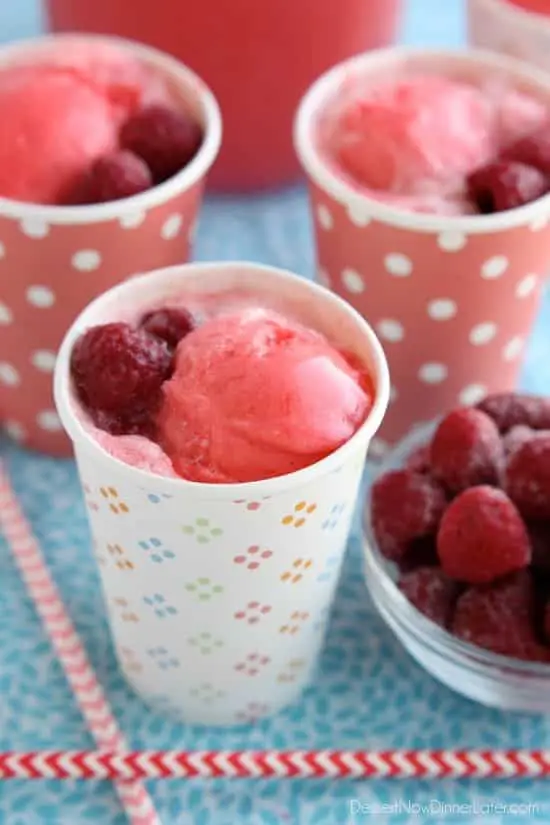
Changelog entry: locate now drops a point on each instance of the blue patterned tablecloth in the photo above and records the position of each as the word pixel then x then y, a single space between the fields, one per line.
pixel 369 693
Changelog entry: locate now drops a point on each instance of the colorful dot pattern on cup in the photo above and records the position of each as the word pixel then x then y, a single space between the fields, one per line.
pixel 452 309
pixel 37 308
pixel 222 603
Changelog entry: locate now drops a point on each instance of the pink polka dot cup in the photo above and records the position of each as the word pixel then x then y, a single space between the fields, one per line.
pixel 55 259
pixel 453 299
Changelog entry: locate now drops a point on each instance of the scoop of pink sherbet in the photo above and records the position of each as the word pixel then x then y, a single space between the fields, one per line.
pixel 420 137
pixel 399 136
pixel 60 110
pixel 254 396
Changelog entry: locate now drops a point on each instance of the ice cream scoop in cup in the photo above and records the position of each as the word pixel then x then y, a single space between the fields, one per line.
pixel 218 591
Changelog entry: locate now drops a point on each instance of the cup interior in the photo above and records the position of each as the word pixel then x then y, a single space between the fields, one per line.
pixel 313 305
pixel 472 66
pixel 182 84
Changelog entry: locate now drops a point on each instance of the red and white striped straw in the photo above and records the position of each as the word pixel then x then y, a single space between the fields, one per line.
pixel 391 764
pixel 69 649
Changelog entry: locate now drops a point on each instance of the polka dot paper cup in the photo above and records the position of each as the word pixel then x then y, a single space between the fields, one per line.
pixel 218 594
pixel 55 259
pixel 453 299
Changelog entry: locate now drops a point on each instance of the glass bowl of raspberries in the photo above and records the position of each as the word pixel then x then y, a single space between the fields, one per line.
pixel 457 549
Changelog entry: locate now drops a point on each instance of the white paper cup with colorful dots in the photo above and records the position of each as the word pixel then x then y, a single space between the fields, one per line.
pixel 218 595
pixel 55 259
pixel 453 299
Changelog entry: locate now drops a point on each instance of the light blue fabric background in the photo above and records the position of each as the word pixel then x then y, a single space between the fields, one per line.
pixel 369 694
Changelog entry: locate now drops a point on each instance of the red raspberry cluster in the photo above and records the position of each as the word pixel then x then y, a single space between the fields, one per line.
pixel 154 144
pixel 118 370
pixel 467 521
pixel 520 175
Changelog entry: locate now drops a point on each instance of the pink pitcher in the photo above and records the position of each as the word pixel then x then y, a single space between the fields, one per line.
pixel 258 56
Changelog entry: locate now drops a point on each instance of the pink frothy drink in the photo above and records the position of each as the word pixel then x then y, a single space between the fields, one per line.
pixel 258 57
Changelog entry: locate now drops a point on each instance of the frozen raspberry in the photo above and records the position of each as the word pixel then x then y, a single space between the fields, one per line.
pixel 118 175
pixel 539 535
pixel 405 506
pixel 506 185
pixel 118 373
pixel 431 592
pixel 546 623
pixel 419 459
pixel 170 324
pixel 137 421
pixel 482 536
pixel 511 409
pixel 500 617
pixel 420 552
pixel 533 150
pixel 528 477
pixel 514 439
pixel 165 138
pixel 466 450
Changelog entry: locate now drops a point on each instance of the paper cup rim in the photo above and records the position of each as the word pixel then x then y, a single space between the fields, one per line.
pixel 79 435
pixel 320 173
pixel 191 174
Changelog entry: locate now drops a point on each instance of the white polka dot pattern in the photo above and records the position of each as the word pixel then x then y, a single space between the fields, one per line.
pixel 451 303
pixel 324 216
pixel 34 228
pixel 540 223
pixel 527 285
pixel 2 250
pixel 472 394
pixel 86 260
pixel 433 373
pixel 451 241
pixel 378 448
pixel 323 277
pixel 43 360
pixel 513 349
pixel 48 420
pixel 397 264
pixel 390 330
pixel 171 227
pixel 352 281
pixel 132 219
pixel 359 214
pixel 8 374
pixel 494 267
pixel 15 430
pixel 483 333
pixel 442 309
pixel 41 297
pixel 6 316
pixel 394 394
